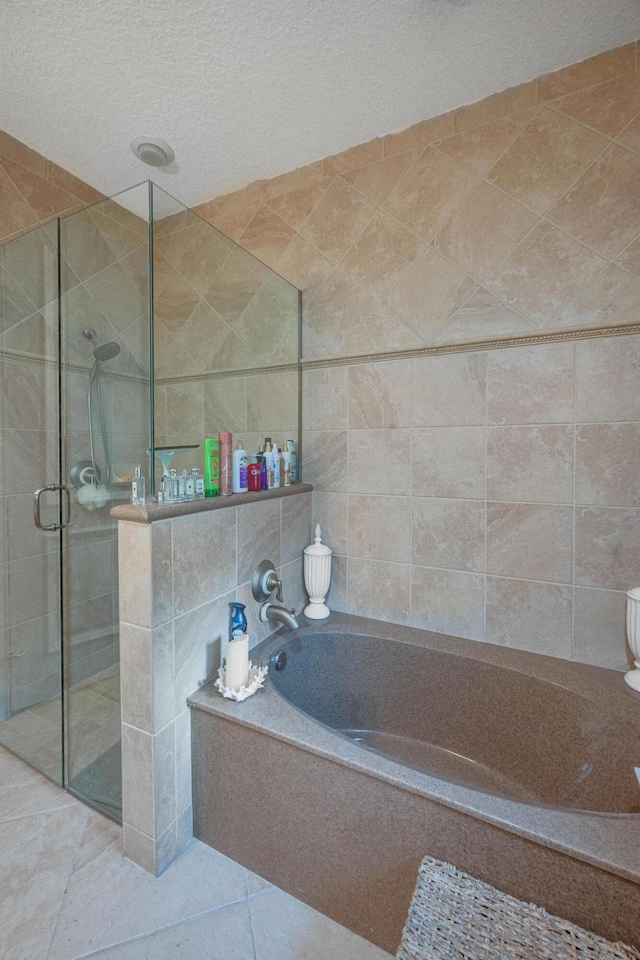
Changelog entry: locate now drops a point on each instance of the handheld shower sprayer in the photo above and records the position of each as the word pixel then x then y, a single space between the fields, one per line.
pixel 103 350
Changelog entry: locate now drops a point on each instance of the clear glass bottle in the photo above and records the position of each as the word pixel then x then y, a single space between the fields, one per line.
pixel 174 483
pixel 138 488
pixel 190 486
pixel 199 483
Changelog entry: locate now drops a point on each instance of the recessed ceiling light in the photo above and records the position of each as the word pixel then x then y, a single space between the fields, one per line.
pixel 150 150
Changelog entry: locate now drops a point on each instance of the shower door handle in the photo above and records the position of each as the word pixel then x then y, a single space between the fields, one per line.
pixel 36 507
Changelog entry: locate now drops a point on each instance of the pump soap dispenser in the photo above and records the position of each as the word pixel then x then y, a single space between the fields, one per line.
pixel 317 577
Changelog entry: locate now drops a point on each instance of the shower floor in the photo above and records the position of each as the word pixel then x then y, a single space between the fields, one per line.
pixel 93 741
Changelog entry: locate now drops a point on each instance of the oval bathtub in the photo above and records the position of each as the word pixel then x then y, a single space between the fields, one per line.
pixel 378 744
pixel 473 723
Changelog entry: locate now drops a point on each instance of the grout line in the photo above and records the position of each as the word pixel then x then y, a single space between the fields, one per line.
pixel 74 859
pixel 574 511
pixel 251 927
pixel 151 933
pixel 486 494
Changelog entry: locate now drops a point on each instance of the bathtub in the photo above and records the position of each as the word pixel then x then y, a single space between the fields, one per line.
pixel 377 744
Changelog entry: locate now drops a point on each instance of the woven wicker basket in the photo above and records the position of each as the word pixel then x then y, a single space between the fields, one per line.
pixel 452 915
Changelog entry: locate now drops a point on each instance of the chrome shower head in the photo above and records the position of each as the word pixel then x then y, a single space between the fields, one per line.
pixel 102 350
pixel 106 351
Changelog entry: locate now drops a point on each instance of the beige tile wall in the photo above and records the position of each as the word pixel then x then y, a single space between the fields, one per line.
pixel 516 215
pixel 493 495
pixel 219 311
pixel 216 308
pixel 177 578
pixel 33 189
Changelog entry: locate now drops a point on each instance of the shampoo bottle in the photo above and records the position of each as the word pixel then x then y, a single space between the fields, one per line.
pixel 211 468
pixel 268 461
pixel 226 467
pixel 294 460
pixel 240 481
pixel 276 467
pixel 286 465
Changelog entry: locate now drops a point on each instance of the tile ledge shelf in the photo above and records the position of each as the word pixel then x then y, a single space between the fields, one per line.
pixel 152 512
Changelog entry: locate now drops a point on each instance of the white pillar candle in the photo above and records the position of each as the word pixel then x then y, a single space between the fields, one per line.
pixel 237 670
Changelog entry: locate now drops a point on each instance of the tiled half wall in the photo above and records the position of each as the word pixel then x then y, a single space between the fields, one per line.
pixel 492 495
pixel 177 578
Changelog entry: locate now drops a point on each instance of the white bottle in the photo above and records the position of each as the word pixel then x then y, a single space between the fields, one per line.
pixel 276 467
pixel 240 473
pixel 268 459
pixel 286 464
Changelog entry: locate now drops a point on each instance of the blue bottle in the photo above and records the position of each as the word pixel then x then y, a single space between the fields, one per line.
pixel 237 620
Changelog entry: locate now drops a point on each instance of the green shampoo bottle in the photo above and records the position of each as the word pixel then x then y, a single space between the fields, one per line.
pixel 211 468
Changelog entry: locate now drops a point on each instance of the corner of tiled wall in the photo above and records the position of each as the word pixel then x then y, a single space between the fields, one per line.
pixel 177 578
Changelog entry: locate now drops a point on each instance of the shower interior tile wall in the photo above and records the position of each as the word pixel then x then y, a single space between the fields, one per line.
pixel 177 578
pixel 492 495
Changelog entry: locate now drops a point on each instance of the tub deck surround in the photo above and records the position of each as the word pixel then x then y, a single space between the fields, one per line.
pixel 151 512
pixel 348 826
pixel 180 566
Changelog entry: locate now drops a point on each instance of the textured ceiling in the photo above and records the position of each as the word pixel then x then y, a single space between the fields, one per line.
pixel 244 90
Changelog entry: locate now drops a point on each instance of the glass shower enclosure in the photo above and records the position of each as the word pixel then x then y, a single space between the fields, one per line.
pixel 75 347
pixel 129 325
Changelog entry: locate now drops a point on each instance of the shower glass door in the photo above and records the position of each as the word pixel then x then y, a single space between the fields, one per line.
pixel 31 701
pixel 105 353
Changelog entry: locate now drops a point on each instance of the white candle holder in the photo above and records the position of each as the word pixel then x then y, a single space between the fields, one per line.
pixel 633 635
pixel 317 577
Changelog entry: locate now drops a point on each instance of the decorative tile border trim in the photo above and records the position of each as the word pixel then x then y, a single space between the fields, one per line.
pixel 473 346
pixel 224 374
pixel 72 367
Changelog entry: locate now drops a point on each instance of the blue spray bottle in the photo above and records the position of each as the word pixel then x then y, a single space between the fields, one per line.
pixel 237 626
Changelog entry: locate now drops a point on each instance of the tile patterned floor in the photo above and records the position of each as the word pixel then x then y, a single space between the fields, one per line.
pixel 66 892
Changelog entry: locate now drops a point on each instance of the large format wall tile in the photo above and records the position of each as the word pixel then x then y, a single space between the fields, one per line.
pixel 380 528
pixel 607 547
pixel 485 228
pixel 379 461
pixel 599 628
pixel 448 533
pixel 380 590
pixel 544 273
pixel 531 541
pixel 530 463
pixel 608 464
pixel 449 462
pixel 530 386
pixel 380 395
pixel 607 378
pixel 326 398
pixel 602 210
pixel 545 160
pixel 448 601
pixel 533 616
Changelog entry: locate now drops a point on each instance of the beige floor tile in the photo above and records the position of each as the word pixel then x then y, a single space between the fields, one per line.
pixel 286 929
pixel 25 791
pixel 41 847
pixel 111 900
pixel 223 935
